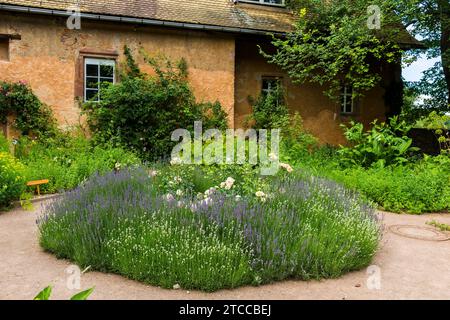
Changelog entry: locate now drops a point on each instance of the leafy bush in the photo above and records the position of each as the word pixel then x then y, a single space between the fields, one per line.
pixel 141 111
pixel 32 117
pixel 4 144
pixel 12 179
pixel 302 228
pixel 194 179
pixel 296 142
pixel 383 145
pixel 440 124
pixel 269 110
pixel 416 187
pixel 69 161
pixel 434 121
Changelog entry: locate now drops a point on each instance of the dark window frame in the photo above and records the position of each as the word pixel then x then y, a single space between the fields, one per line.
pixel 270 79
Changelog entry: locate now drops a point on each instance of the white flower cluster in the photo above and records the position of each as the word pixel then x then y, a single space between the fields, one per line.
pixel 261 195
pixel 175 161
pixel 286 167
pixel 227 184
pixel 152 173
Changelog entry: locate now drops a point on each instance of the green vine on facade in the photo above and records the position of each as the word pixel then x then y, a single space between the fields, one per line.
pixel 31 116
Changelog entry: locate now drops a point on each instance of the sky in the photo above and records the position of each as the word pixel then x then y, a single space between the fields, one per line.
pixel 414 71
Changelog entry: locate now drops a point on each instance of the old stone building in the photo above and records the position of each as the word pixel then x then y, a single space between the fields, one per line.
pixel 218 38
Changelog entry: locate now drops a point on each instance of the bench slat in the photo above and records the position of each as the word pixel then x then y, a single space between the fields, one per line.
pixel 37 182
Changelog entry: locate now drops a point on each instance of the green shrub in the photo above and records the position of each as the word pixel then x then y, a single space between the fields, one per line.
pixel 296 142
pixel 69 161
pixel 419 187
pixel 141 111
pixel 269 111
pixel 12 179
pixel 383 145
pixel 301 228
pixel 440 124
pixel 4 144
pixel 194 179
pixel 434 120
pixel 32 117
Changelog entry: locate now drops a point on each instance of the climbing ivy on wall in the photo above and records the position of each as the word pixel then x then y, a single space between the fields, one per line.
pixel 32 117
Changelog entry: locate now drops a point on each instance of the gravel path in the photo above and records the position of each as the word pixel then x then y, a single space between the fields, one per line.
pixel 409 269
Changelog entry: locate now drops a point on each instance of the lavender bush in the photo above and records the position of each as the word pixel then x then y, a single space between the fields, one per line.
pixel 302 228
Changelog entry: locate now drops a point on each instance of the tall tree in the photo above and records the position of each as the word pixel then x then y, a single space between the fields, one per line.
pixel 430 20
pixel 350 41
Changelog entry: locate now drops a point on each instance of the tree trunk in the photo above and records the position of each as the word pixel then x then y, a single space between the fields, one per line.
pixel 444 10
pixel 394 89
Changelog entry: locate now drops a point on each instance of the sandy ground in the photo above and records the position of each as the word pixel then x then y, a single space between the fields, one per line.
pixel 408 269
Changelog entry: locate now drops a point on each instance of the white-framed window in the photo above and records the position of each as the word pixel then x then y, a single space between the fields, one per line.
pixel 279 3
pixel 270 84
pixel 347 100
pixel 96 72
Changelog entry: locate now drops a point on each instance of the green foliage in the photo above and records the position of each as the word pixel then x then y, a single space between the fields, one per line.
pixel 434 121
pixel 332 44
pixel 69 161
pixel 296 142
pixel 44 294
pixel 269 110
pixel 141 111
pixel 4 144
pixel 47 292
pixel 84 295
pixel 414 188
pixel 440 226
pixel 12 179
pixel 32 117
pixel 440 124
pixel 429 20
pixel 195 179
pixel 304 228
pixel 384 144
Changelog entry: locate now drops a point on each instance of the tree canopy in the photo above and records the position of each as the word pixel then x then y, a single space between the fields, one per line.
pixel 348 42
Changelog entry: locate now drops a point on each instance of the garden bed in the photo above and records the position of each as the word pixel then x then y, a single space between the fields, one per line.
pixel 124 222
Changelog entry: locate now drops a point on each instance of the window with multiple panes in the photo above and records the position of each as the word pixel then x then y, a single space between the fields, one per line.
pixel 96 72
pixel 270 84
pixel 267 2
pixel 347 100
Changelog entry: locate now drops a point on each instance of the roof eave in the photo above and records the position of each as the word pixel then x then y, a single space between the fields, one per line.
pixel 133 20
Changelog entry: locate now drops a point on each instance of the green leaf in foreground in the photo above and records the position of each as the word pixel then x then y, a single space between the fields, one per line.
pixel 83 295
pixel 44 294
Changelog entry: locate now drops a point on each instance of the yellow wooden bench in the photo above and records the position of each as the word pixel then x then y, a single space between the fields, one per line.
pixel 37 184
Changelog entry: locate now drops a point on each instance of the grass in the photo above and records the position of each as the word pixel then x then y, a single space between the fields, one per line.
pixel 440 226
pixel 306 228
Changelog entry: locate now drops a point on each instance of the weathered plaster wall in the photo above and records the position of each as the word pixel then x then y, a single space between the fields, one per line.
pixel 48 53
pixel 321 116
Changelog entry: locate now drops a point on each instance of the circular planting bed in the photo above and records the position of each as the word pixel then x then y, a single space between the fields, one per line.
pixel 300 227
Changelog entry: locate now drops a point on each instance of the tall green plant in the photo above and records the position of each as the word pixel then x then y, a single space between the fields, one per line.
pixel 269 110
pixel 384 144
